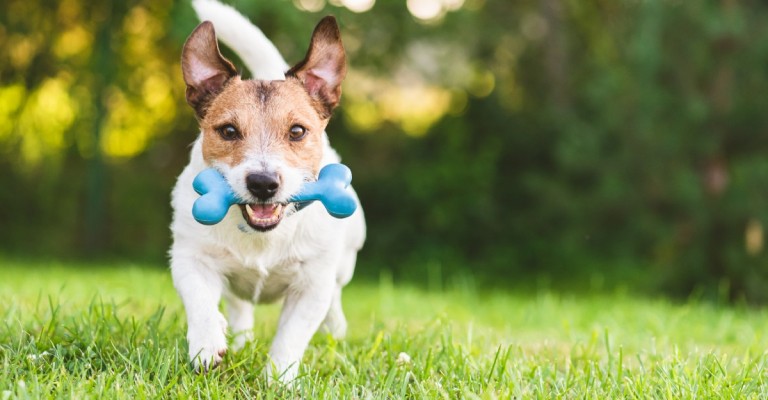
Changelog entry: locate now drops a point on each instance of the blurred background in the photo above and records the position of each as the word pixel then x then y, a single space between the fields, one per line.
pixel 577 144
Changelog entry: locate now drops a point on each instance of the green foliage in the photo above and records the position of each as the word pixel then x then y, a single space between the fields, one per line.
pixel 552 139
pixel 117 331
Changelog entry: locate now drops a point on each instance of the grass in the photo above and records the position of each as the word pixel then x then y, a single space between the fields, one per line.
pixel 117 331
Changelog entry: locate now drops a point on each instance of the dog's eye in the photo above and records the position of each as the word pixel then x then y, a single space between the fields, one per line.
pixel 297 133
pixel 228 132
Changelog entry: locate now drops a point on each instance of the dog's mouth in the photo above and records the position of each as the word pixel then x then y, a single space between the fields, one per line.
pixel 263 216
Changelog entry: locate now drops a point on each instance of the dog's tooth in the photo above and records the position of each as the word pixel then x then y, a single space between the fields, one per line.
pixel 255 218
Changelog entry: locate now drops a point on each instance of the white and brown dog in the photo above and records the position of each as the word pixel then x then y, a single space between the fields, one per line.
pixel 267 137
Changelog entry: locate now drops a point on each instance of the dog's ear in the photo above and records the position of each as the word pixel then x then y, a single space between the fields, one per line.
pixel 324 66
pixel 205 69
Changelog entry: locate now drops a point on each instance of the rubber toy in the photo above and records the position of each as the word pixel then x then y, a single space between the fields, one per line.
pixel 216 196
pixel 331 189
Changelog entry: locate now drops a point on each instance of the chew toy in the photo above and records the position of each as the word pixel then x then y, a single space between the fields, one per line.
pixel 331 189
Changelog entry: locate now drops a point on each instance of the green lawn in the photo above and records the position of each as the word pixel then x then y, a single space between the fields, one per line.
pixel 117 331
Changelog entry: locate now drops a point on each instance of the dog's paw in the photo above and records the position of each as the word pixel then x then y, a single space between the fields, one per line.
pixel 240 339
pixel 204 363
pixel 335 323
pixel 336 327
pixel 207 345
pixel 282 375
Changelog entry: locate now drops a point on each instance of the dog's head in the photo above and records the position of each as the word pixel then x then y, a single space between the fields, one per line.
pixel 266 137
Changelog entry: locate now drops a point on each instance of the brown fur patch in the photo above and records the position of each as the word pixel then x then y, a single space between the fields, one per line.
pixel 324 67
pixel 264 112
pixel 205 70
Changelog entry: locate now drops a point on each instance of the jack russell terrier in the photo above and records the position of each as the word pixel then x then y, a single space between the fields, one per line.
pixel 266 136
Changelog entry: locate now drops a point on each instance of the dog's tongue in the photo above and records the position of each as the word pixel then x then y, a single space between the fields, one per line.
pixel 263 211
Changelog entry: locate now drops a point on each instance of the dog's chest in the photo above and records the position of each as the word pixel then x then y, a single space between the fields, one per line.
pixel 261 284
pixel 262 272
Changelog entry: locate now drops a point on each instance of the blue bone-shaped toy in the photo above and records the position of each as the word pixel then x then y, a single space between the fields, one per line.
pixel 330 188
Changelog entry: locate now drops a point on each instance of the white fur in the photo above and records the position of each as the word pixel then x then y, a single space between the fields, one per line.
pixel 306 259
pixel 257 52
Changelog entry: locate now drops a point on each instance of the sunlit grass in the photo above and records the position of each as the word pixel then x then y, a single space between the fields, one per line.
pixel 117 331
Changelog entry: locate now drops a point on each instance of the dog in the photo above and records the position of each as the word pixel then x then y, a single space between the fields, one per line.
pixel 267 137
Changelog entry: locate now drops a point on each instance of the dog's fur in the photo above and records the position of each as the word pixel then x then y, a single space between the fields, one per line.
pixel 266 250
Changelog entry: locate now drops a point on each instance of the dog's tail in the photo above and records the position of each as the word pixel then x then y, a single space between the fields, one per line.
pixel 257 52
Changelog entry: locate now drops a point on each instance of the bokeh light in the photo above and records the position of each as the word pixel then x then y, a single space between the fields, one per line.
pixel 432 10
pixel 358 6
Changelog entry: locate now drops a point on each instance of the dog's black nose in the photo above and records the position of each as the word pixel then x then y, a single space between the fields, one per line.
pixel 262 185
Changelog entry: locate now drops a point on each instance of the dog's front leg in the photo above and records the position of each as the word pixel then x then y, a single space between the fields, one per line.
pixel 304 309
pixel 200 290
